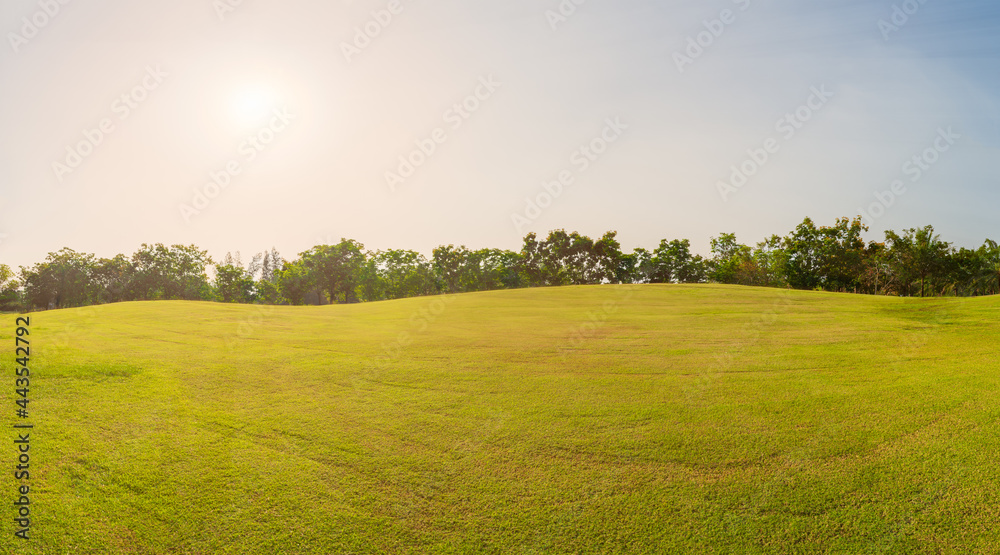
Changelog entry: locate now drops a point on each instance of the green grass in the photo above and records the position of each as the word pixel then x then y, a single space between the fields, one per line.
pixel 687 419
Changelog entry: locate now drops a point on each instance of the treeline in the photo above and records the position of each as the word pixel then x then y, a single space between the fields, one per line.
pixel 915 262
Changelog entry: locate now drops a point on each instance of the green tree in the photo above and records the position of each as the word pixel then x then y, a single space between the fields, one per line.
pixel 672 262
pixel 876 272
pixel 570 259
pixel 63 280
pixel 336 269
pixel 990 255
pixel 637 267
pixel 112 278
pixel 403 273
pixel 449 264
pixel 233 284
pixel 730 259
pixel 500 269
pixel 460 269
pixel 266 288
pixel 770 260
pixel 964 270
pixel 843 255
pixel 918 254
pixel 531 261
pixel 555 251
pixel 608 257
pixel 177 272
pixel 805 260
pixel 294 282
pixel 10 299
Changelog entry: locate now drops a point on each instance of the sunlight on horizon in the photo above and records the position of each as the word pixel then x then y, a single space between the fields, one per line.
pixel 372 90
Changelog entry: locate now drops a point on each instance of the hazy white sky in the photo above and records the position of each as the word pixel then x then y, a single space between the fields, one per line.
pixel 302 118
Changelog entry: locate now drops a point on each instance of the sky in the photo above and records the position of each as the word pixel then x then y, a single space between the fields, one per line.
pixel 251 124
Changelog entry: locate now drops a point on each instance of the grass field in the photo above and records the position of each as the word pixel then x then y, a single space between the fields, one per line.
pixel 647 419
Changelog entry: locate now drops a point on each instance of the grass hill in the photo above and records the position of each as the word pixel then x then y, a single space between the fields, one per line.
pixel 609 419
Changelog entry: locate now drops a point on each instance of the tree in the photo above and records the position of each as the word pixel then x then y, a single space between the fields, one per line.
pixel 498 269
pixel 336 269
pixel 450 264
pixel 177 272
pixel 570 259
pixel 730 259
pixel 267 286
pixel 62 281
pixel 917 254
pixel 294 281
pixel 672 262
pixel 255 265
pixel 233 284
pixel 462 270
pixel 964 270
pixel 842 255
pixel 770 260
pixel 578 259
pixel 607 255
pixel 663 263
pixel 555 253
pixel 805 260
pixel 531 261
pixel 401 273
pixel 112 278
pixel 833 258
pixel 990 254
pixel 876 271
pixel 638 266
pixel 10 300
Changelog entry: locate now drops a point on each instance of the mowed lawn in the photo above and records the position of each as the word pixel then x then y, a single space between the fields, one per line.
pixel 609 419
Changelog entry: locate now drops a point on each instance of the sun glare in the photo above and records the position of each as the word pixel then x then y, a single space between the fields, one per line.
pixel 250 106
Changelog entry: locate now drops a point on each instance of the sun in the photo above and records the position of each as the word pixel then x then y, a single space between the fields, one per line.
pixel 252 105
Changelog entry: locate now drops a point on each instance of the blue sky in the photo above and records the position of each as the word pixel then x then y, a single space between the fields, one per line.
pixel 313 120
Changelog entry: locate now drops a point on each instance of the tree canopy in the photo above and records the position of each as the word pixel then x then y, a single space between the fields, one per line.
pixel 915 262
